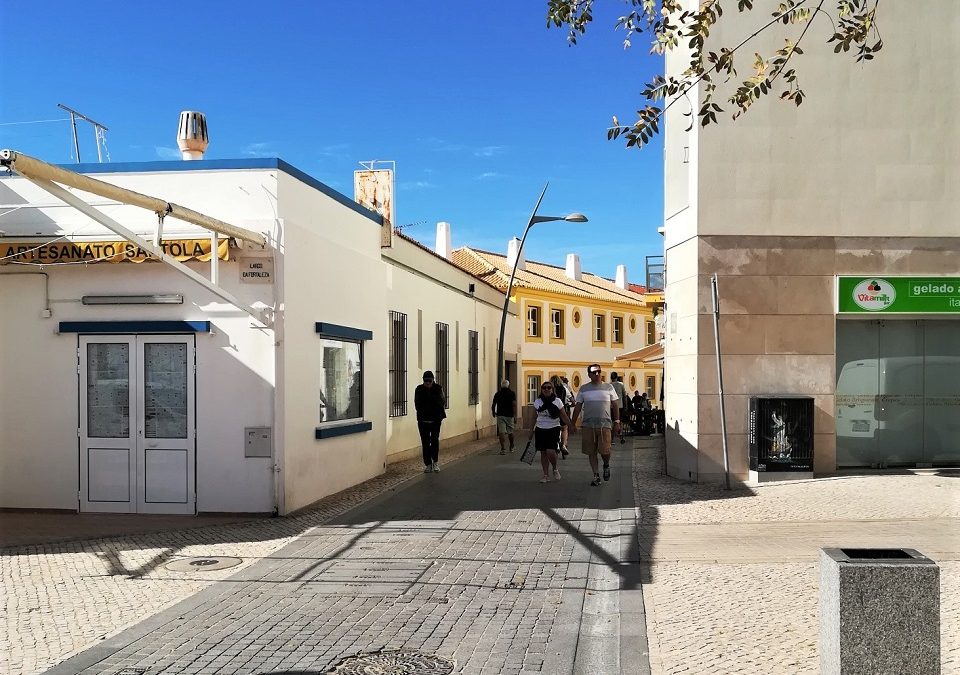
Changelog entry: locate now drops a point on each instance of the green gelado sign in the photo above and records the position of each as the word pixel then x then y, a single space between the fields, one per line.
pixel 898 295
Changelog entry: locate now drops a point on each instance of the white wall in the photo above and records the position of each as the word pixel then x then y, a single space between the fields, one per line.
pixel 428 290
pixel 331 272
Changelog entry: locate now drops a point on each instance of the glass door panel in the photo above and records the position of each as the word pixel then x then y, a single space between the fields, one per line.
pixel 941 373
pixel 108 390
pixel 900 410
pixel 165 390
pixel 858 387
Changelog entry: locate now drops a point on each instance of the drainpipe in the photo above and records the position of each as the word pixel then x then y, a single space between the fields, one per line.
pixel 47 313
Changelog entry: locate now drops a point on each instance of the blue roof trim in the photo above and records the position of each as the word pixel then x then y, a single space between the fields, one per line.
pixel 342 430
pixel 333 330
pixel 221 164
pixel 111 327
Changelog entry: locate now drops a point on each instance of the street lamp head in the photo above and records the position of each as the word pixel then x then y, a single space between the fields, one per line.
pixel 575 218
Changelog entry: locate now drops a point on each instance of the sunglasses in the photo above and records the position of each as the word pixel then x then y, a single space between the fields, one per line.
pixel 593 372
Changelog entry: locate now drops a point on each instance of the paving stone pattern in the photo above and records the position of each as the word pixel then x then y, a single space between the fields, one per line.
pixel 731 578
pixel 489 569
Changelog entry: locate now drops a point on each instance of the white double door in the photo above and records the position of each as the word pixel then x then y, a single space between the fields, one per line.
pixel 137 424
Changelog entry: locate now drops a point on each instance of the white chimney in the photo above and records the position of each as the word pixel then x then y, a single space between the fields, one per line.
pixel 513 247
pixel 443 240
pixel 573 267
pixel 192 138
pixel 622 277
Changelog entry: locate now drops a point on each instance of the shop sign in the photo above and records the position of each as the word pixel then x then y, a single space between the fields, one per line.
pixel 898 295
pixel 65 251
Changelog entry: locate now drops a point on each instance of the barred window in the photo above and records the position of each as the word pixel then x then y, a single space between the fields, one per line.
pixel 473 367
pixel 398 364
pixel 442 374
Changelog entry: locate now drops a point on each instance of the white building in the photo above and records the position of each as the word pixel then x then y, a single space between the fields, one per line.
pixel 130 387
pixel 801 213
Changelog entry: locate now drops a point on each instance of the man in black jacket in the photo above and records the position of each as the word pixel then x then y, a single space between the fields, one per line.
pixel 428 399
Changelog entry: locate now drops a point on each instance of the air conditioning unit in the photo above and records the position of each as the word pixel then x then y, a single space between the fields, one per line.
pixel 780 433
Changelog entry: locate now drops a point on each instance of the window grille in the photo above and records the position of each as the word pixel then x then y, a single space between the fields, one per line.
pixel 398 364
pixel 442 374
pixel 473 344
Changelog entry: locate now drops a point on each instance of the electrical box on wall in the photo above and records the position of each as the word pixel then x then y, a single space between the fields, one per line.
pixel 258 442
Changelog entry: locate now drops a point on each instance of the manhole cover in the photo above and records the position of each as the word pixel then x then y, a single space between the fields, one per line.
pixel 400 662
pixel 204 564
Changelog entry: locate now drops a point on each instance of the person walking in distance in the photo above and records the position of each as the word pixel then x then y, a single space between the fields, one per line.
pixel 551 419
pixel 600 406
pixel 429 401
pixel 560 392
pixel 621 397
pixel 504 408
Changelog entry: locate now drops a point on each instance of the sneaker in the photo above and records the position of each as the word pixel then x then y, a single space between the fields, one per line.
pixel 511 448
pixel 502 451
pixel 606 472
pixel 436 467
pixel 622 442
pixel 556 474
pixel 428 468
pixel 564 452
pixel 596 480
pixel 545 479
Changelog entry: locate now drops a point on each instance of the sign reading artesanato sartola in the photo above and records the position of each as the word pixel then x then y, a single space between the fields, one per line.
pixel 66 251
pixel 898 295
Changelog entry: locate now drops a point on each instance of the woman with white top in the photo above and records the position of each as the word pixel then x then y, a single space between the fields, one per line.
pixel 551 419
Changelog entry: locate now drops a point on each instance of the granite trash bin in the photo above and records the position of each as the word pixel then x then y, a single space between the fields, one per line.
pixel 879 612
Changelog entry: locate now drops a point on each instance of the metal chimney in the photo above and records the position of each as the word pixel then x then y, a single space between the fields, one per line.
pixel 192 138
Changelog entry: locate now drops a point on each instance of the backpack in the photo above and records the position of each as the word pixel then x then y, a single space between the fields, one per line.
pixel 561 393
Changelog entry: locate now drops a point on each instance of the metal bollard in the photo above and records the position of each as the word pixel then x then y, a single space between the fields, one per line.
pixel 879 612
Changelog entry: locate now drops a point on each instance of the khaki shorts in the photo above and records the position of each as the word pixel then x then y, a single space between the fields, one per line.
pixel 505 425
pixel 595 440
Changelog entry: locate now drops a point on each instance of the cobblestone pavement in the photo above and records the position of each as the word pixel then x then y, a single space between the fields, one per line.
pixel 63 597
pixel 480 564
pixel 730 579
pixel 485 567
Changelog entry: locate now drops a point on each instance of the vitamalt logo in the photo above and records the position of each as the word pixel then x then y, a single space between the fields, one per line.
pixel 874 295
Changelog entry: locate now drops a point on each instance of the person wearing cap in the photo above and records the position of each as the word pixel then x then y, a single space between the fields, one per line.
pixel 429 401
pixel 600 405
pixel 504 408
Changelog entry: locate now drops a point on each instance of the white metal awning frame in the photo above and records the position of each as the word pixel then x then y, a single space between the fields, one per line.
pixel 52 178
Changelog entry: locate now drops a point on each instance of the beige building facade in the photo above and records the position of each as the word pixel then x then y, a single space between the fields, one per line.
pixel 783 205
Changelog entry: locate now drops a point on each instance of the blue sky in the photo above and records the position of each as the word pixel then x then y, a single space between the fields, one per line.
pixel 478 103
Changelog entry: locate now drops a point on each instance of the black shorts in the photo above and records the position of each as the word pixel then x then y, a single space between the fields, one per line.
pixel 546 439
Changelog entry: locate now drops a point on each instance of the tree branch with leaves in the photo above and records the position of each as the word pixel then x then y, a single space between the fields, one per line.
pixel 668 24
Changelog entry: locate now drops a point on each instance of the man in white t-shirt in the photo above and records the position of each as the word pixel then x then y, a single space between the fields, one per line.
pixel 600 405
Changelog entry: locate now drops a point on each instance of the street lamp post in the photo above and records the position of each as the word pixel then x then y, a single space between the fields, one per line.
pixel 534 219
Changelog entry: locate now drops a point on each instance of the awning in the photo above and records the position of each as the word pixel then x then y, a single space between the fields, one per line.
pixel 649 354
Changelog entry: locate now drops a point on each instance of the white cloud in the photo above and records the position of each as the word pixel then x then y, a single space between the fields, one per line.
pixel 489 174
pixel 164 152
pixel 416 185
pixel 260 150
pixel 490 151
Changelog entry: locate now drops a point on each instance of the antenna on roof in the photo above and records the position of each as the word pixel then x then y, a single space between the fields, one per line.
pixel 98 130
